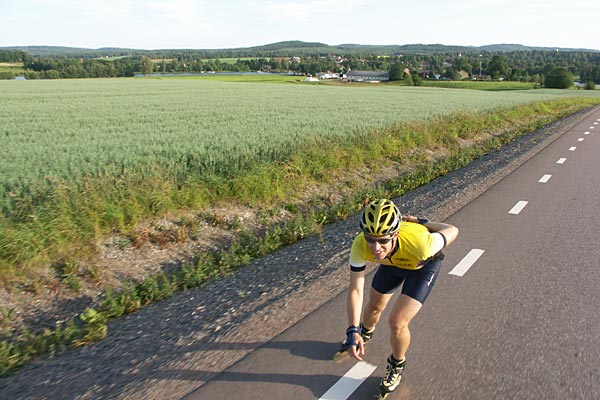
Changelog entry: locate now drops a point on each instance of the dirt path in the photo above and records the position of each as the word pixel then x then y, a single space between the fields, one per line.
pixel 170 348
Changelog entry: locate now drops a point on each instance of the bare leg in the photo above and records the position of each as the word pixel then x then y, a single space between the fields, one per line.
pixel 403 312
pixel 375 306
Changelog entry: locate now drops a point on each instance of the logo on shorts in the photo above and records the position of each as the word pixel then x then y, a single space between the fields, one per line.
pixel 430 280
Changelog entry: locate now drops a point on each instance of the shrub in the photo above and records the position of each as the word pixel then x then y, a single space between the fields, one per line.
pixel 558 78
pixel 590 85
pixel 7 75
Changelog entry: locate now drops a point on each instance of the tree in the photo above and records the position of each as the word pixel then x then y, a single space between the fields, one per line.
pixel 396 71
pixel 497 67
pixel 146 64
pixel 417 81
pixel 558 78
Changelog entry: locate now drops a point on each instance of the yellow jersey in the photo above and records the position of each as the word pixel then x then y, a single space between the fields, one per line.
pixel 415 246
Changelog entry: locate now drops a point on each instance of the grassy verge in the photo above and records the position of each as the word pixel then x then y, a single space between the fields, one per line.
pixel 421 152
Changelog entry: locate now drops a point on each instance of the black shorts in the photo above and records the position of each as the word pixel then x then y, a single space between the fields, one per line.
pixel 417 283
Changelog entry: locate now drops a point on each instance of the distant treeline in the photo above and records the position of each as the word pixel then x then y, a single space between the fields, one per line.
pixel 515 65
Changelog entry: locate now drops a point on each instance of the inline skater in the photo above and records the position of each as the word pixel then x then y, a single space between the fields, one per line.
pixel 408 250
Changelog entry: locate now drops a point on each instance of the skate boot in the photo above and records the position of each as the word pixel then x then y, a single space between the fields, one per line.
pixel 366 335
pixel 393 375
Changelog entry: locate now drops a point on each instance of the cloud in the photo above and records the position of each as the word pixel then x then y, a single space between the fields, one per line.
pixel 173 10
pixel 307 9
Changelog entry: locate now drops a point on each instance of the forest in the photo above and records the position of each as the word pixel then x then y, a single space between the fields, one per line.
pixel 505 62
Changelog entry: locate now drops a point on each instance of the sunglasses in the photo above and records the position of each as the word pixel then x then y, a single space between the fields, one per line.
pixel 372 240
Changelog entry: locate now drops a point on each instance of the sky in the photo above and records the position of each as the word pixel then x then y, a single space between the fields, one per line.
pixel 204 24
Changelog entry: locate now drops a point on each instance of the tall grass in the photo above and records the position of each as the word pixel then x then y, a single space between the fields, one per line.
pixel 62 131
pixel 83 158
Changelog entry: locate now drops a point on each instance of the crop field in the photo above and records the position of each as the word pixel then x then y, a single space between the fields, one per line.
pixel 60 131
pixel 83 158
pixel 233 60
pixel 11 67
pixel 246 77
pixel 480 85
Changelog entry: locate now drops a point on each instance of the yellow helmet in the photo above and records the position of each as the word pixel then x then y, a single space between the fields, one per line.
pixel 380 217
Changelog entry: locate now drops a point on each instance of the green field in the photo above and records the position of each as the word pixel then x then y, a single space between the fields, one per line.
pixel 14 67
pixel 84 158
pixel 64 129
pixel 234 60
pixel 476 85
pixel 239 77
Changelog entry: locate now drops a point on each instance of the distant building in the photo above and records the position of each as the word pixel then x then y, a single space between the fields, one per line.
pixel 328 75
pixel 462 74
pixel 367 76
pixel 424 64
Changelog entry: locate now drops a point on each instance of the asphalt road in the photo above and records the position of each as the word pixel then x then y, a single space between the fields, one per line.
pixel 521 323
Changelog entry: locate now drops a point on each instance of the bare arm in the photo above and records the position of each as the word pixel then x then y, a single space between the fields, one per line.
pixel 354 308
pixel 355 297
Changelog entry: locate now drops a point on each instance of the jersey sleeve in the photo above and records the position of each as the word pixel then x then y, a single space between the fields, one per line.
pixel 358 257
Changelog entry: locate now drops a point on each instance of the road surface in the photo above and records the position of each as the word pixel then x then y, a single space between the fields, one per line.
pixel 514 315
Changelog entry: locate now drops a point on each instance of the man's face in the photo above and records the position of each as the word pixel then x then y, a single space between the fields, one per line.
pixel 381 246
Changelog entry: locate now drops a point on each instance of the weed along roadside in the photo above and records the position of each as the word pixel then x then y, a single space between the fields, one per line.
pixel 253 213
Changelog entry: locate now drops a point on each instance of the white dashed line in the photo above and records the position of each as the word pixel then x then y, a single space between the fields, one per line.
pixel 586 133
pixel 545 178
pixel 466 263
pixel 572 148
pixel 580 139
pixel 561 160
pixel 349 382
pixel 518 207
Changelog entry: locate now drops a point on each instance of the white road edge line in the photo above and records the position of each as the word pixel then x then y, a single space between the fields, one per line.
pixel 348 383
pixel 545 178
pixel 561 160
pixel 466 263
pixel 518 207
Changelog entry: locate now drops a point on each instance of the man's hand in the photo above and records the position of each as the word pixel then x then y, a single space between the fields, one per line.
pixel 357 351
pixel 356 346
